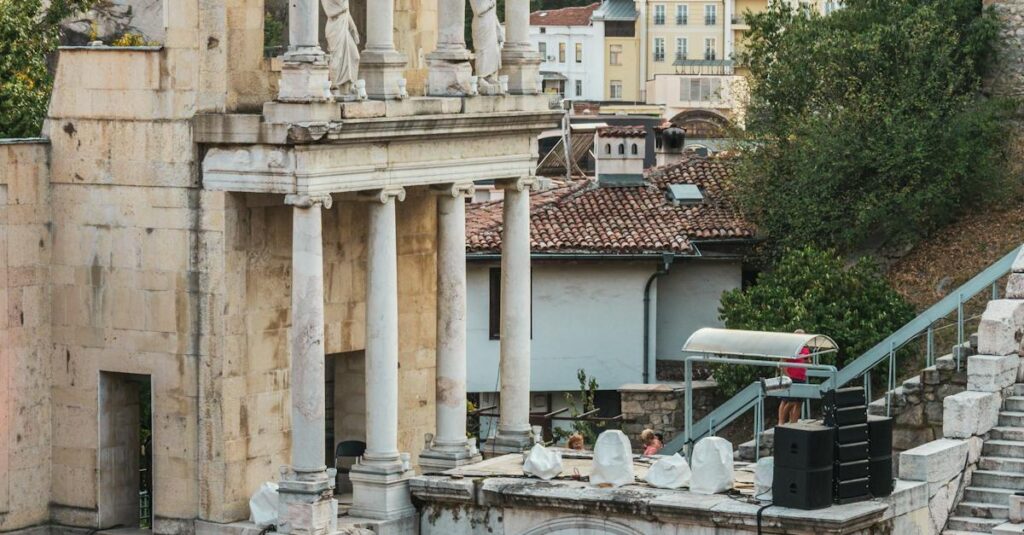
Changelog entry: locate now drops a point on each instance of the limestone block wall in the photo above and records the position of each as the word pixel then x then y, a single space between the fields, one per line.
pixel 25 372
pixel 661 407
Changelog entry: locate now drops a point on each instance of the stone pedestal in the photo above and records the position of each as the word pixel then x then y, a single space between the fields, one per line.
pixel 522 68
pixel 380 64
pixel 382 491
pixel 305 81
pixel 306 507
pixel 449 73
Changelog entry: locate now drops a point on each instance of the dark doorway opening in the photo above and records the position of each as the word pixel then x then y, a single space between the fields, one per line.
pixel 125 451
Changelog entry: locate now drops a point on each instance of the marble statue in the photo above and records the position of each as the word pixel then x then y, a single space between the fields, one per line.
pixel 342 46
pixel 488 37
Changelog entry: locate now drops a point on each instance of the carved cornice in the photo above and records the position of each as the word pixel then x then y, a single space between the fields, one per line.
pixel 308 201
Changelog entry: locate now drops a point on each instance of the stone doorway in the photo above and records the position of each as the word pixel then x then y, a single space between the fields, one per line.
pixel 125 467
pixel 346 402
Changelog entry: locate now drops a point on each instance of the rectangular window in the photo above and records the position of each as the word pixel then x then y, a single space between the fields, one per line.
pixel 579 88
pixel 682 15
pixel 680 48
pixel 579 52
pixel 709 48
pixel 659 49
pixel 542 47
pixel 561 52
pixel 710 15
pixel 659 14
pixel 615 54
pixel 494 312
pixel 615 90
pixel 619 28
pixel 700 89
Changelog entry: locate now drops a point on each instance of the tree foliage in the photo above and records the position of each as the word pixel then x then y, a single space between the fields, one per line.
pixel 29 34
pixel 811 290
pixel 580 404
pixel 867 127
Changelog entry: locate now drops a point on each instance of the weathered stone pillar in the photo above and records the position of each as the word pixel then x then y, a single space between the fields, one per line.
pixel 380 64
pixel 519 61
pixel 514 432
pixel 379 480
pixel 450 449
pixel 450 67
pixel 306 491
pixel 304 74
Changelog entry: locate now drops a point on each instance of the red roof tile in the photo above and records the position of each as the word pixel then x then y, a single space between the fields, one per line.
pixel 622 131
pixel 567 16
pixel 582 217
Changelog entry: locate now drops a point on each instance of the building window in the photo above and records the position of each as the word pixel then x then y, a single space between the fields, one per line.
pixel 622 149
pixel 635 150
pixel 700 89
pixel 543 29
pixel 615 54
pixel 615 90
pixel 607 148
pixel 494 312
pixel 561 52
pixel 542 47
pixel 710 15
pixel 659 15
pixel 659 49
pixel 579 52
pixel 680 48
pixel 709 48
pixel 579 88
pixel 682 15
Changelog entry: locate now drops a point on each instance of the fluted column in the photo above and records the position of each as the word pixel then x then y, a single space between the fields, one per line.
pixel 380 64
pixel 450 448
pixel 519 60
pixel 306 490
pixel 380 489
pixel 450 67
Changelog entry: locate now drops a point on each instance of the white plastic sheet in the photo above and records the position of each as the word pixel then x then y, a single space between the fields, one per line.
pixel 542 462
pixel 669 473
pixel 712 466
pixel 613 460
pixel 263 505
pixel 764 474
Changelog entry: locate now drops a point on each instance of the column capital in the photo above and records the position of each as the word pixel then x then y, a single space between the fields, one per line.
pixel 302 200
pixel 522 183
pixel 384 195
pixel 455 189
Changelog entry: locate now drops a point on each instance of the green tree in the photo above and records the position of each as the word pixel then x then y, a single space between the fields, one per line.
pixel 29 34
pixel 580 404
pixel 811 290
pixel 868 127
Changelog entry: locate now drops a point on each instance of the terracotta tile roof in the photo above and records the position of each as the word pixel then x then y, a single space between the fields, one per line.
pixel 582 217
pixel 622 131
pixel 567 16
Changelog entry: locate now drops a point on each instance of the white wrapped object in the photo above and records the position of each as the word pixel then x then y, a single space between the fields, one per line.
pixel 542 462
pixel 764 474
pixel 263 505
pixel 669 473
pixel 712 466
pixel 613 460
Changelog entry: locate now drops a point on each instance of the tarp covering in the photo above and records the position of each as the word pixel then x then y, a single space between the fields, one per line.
pixel 756 343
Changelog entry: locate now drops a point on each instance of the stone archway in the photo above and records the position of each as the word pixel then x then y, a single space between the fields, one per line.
pixel 702 124
pixel 582 524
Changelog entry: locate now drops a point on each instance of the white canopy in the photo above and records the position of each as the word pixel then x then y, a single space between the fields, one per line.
pixel 756 343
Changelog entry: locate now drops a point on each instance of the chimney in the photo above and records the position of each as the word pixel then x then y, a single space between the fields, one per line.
pixel 670 142
pixel 619 152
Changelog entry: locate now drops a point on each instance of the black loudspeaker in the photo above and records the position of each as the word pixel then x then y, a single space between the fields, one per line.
pixel 849 434
pixel 804 446
pixel 853 488
pixel 880 436
pixel 843 397
pixel 858 451
pixel 802 489
pixel 852 470
pixel 846 416
pixel 880 476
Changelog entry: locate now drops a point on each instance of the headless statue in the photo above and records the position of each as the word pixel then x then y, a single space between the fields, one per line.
pixel 488 37
pixel 342 46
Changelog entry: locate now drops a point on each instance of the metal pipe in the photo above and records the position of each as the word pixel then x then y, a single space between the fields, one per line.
pixel 688 368
pixel 666 264
pixel 959 328
pixel 930 351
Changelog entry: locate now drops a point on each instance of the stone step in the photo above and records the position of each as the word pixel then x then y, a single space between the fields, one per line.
pixel 999 480
pixel 1014 404
pixel 745 451
pixel 1008 433
pixel 1018 389
pixel 1002 464
pixel 958 532
pixel 966 523
pixel 979 494
pixel 1011 419
pixel 1003 448
pixel 983 510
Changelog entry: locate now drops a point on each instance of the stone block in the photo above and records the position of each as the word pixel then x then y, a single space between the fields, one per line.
pixel 986 373
pixel 1002 327
pixel 1016 508
pixel 1008 528
pixel 935 462
pixel 1018 263
pixel 306 112
pixel 970 413
pixel 1015 286
pixel 366 109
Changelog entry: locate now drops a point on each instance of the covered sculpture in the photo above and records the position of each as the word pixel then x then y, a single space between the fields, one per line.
pixel 613 460
pixel 342 46
pixel 488 37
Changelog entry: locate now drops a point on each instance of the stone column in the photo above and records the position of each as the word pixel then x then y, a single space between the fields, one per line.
pixel 380 64
pixel 514 433
pixel 450 67
pixel 306 492
pixel 304 73
pixel 450 449
pixel 379 480
pixel 519 61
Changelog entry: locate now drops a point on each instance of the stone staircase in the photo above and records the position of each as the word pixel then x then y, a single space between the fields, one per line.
pixel 1000 473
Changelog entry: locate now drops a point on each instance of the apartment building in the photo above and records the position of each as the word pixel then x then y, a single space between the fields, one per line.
pixel 571 46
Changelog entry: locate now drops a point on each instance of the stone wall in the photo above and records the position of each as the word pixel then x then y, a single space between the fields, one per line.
pixel 661 407
pixel 25 366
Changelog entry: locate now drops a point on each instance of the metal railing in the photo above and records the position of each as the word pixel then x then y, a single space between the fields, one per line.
pixel 926 324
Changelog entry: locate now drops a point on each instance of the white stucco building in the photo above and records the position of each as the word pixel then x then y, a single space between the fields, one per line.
pixel 571 45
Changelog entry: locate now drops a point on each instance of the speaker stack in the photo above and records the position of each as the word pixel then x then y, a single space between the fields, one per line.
pixel 880 450
pixel 845 410
pixel 804 457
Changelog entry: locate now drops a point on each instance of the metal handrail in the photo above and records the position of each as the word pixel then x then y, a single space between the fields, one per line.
pixel 861 367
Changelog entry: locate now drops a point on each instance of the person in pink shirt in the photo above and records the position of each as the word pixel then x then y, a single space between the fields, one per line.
pixel 651 443
pixel 789 408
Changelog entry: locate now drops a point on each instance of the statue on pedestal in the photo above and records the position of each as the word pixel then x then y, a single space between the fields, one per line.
pixel 342 47
pixel 488 37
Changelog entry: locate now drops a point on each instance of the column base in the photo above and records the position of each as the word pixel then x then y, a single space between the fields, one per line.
pixel 306 507
pixel 509 442
pixel 449 73
pixel 381 492
pixel 522 68
pixel 308 80
pixel 439 460
pixel 383 71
